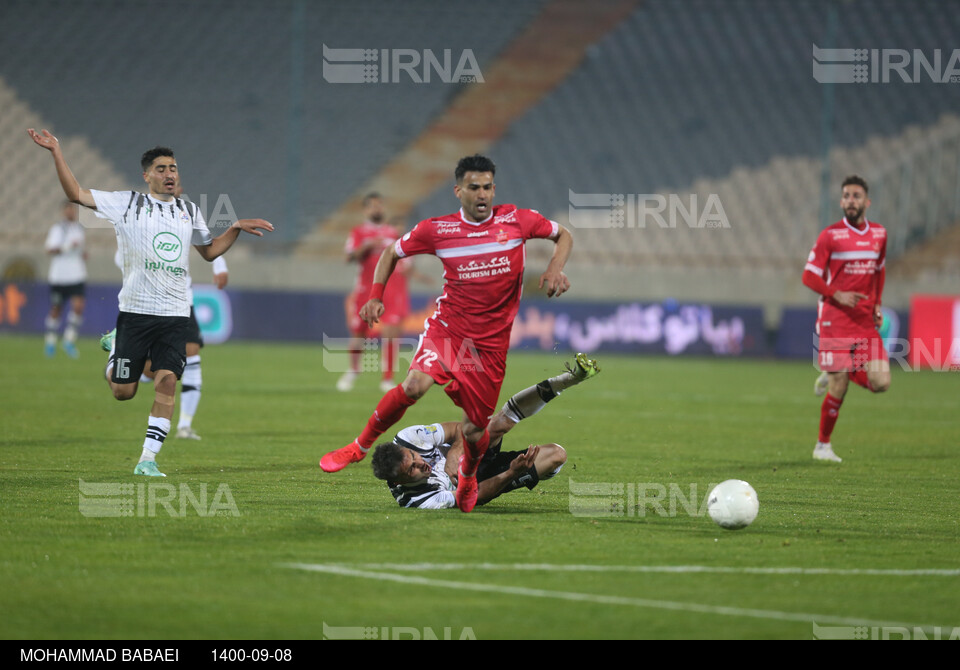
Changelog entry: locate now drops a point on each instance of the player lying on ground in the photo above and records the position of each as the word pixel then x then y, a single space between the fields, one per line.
pixel 420 465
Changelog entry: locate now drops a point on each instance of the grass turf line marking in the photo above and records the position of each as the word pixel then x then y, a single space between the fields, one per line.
pixel 541 567
pixel 602 599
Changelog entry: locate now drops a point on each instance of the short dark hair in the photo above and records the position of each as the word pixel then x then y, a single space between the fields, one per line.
pixel 372 195
pixel 386 461
pixel 855 180
pixel 146 160
pixel 474 163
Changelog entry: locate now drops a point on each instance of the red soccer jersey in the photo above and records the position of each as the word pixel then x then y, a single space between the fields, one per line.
pixel 482 269
pixel 368 262
pixel 849 259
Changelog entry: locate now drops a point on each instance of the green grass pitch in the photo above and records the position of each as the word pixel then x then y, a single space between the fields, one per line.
pixel 834 545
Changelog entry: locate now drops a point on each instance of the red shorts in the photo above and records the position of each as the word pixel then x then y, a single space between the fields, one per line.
pixel 396 307
pixel 473 377
pixel 848 349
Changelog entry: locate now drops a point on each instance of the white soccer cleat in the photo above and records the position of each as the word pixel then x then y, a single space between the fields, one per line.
pixel 824 452
pixel 822 384
pixel 187 433
pixel 345 383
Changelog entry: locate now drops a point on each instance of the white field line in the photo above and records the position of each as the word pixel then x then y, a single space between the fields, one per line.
pixel 548 567
pixel 602 599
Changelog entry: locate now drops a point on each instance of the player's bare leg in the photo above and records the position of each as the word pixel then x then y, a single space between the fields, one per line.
pixel 389 335
pixel 389 411
pixel 74 321
pixel 878 375
pixel 348 378
pixel 52 328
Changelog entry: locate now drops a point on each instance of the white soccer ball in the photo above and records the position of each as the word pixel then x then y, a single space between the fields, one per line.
pixel 733 504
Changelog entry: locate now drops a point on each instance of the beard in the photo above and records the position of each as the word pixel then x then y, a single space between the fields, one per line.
pixel 854 213
pixel 376 217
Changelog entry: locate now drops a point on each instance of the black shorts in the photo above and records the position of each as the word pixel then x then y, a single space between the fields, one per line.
pixel 194 336
pixel 495 462
pixel 162 339
pixel 61 293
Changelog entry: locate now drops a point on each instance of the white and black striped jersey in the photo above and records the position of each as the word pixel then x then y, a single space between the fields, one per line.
pixel 67 266
pixel 437 492
pixel 153 238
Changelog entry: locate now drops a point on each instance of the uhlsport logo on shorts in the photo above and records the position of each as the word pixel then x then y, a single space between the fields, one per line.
pixel 167 246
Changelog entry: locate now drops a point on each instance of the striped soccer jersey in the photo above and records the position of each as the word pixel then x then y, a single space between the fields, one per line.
pixel 437 491
pixel 849 259
pixel 482 269
pixel 153 239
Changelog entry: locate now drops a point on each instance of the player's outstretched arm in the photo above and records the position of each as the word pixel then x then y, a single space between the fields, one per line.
pixel 69 183
pixel 555 281
pixel 222 243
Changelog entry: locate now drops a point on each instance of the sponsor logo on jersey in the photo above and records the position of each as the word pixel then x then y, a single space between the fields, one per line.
pixel 509 217
pixel 167 246
pixel 481 234
pixel 502 236
pixel 475 270
pixel 447 227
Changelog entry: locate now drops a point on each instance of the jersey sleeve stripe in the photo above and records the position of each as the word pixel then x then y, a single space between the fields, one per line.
pixel 814 269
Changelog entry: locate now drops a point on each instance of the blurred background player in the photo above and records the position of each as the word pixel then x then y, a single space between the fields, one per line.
pixel 364 246
pixel 847 268
pixel 67 277
pixel 465 341
pixel 420 468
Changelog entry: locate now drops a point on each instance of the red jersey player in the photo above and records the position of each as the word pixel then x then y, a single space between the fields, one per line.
pixel 364 246
pixel 846 267
pixel 464 345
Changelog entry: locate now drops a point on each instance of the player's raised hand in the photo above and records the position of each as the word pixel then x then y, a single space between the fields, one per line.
pixel 556 282
pixel 849 298
pixel 220 280
pixel 44 138
pixel 371 311
pixel 525 461
pixel 254 226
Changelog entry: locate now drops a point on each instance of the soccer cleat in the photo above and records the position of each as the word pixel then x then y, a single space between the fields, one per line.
pixel 106 342
pixel 467 490
pixel 187 433
pixel 345 383
pixel 820 386
pixel 148 469
pixel 824 452
pixel 49 350
pixel 71 350
pixel 338 459
pixel 387 385
pixel 583 368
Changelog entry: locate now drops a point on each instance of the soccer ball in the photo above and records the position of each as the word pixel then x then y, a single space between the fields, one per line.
pixel 733 504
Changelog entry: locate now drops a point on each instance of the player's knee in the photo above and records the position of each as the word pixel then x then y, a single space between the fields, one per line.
pixel 556 454
pixel 123 391
pixel 880 384
pixel 414 387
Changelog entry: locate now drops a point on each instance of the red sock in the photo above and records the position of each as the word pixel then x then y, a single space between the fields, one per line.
pixel 389 358
pixel 829 412
pixel 389 410
pixel 355 360
pixel 860 378
pixel 473 452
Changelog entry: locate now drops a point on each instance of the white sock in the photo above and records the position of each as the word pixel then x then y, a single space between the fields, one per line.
pixel 157 429
pixel 52 326
pixel 191 383
pixel 562 382
pixel 529 401
pixel 74 321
